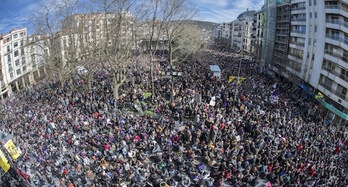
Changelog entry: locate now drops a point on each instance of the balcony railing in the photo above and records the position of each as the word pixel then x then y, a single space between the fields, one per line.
pixel 297 43
pixel 332 7
pixel 338 38
pixel 297 8
pixel 336 7
pixel 333 37
pixel 336 55
pixel 338 22
pixel 340 95
pixel 298 31
pixel 298 19
pixel 343 77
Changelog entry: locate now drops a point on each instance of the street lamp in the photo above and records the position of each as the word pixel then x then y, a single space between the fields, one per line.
pixel 171 72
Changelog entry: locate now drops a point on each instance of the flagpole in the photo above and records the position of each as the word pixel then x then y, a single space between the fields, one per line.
pixel 236 86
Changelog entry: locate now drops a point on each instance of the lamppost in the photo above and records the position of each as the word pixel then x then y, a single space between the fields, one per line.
pixel 171 72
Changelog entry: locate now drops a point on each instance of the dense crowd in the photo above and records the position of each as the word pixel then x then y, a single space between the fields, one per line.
pixel 73 136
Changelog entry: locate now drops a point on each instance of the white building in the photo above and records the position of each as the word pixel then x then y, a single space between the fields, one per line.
pixel 13 60
pixel 223 33
pixel 242 31
pixel 318 49
pixel 21 58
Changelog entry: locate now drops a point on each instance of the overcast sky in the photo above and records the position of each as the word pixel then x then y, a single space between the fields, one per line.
pixel 14 13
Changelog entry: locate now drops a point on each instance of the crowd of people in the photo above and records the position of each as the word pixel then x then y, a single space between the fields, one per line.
pixel 206 131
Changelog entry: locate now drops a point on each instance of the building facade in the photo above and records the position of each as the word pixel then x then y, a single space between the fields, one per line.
pixel 21 58
pixel 242 32
pixel 317 57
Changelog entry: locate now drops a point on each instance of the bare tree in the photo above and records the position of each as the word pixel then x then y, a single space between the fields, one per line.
pixel 47 21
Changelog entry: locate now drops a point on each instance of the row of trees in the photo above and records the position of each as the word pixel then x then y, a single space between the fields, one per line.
pixel 111 35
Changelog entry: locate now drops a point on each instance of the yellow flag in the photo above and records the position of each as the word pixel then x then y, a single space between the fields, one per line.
pixel 4 162
pixel 241 79
pixel 231 78
pixel 319 95
pixel 12 149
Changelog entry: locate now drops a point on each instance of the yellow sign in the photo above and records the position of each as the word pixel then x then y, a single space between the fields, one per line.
pixel 4 162
pixel 12 149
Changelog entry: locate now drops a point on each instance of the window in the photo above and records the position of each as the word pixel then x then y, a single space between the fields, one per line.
pixel 341 91
pixel 23 60
pixel 310 2
pixel 329 66
pixel 17 62
pixel 11 75
pixel 344 74
pixel 315 14
pixel 10 69
pixel 315 42
pixel 18 71
pixel 326 82
pixel 7 39
pixel 315 2
pixel 310 14
pixel 16 53
pixel 8 58
pixel 8 48
pixel 15 36
pixel 315 28
pixel 24 68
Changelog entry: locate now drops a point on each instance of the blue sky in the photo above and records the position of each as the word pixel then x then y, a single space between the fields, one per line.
pixel 225 10
pixel 15 13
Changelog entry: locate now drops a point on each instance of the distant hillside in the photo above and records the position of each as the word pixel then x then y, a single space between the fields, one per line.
pixel 203 24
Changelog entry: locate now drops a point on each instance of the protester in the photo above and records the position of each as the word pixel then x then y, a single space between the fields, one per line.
pixel 70 136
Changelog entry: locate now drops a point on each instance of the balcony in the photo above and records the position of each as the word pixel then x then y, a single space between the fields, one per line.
pixel 336 9
pixel 297 43
pixel 337 24
pixel 340 95
pixel 297 33
pixel 298 19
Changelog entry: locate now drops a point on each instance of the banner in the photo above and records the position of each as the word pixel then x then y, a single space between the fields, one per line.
pixel 12 149
pixel 4 162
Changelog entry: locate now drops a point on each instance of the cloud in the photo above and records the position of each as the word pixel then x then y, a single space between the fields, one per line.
pixel 228 13
pixel 218 3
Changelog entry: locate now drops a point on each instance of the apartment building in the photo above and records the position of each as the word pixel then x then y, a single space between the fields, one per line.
pixel 21 58
pixel 318 51
pixel 223 34
pixel 12 53
pixel 242 31
pixel 281 41
pixel 257 35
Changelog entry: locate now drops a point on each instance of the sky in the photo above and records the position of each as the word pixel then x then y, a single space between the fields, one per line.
pixel 219 11
pixel 15 14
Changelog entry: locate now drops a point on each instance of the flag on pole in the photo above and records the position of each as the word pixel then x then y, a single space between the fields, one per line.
pixel 231 78
pixel 241 79
pixel 319 95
